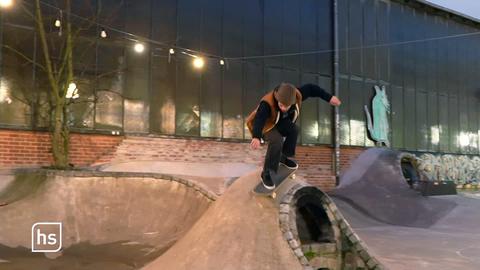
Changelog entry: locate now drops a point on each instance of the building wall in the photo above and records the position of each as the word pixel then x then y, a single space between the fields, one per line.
pixel 145 93
pixel 430 84
pixel 316 162
pixel 430 79
pixel 461 169
pixel 34 149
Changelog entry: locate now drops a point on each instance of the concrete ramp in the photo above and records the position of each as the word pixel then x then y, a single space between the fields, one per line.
pixel 375 186
pixel 402 229
pixel 115 220
pixel 109 220
pixel 239 231
pixel 216 176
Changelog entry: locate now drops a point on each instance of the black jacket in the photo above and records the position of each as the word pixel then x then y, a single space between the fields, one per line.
pixel 263 111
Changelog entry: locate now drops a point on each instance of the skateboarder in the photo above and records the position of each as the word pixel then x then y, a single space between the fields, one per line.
pixel 274 120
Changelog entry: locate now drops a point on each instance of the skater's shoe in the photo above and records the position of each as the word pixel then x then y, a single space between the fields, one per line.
pixel 267 181
pixel 288 162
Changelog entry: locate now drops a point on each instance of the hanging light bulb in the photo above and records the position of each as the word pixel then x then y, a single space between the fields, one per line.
pixel 222 62
pixel 72 91
pixel 139 47
pixel 6 3
pixel 198 62
pixel 103 33
pixel 171 51
pixel 58 23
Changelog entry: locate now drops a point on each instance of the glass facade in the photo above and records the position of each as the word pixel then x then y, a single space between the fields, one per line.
pixel 430 84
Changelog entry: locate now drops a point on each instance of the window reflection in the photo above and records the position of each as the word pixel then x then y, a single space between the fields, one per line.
pixel 16 81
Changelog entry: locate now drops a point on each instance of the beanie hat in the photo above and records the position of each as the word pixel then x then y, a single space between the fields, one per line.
pixel 285 94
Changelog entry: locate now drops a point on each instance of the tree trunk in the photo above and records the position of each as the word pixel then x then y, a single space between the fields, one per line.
pixel 59 81
pixel 60 138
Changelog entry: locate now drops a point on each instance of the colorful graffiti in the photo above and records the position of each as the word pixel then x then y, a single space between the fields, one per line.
pixel 460 169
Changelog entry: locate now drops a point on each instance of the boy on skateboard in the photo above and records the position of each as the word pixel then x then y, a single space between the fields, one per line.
pixel 274 120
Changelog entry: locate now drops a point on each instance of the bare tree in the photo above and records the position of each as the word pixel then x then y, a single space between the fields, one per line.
pixel 56 64
pixel 59 79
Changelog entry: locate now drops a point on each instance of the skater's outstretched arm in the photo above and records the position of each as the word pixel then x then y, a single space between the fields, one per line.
pixel 313 90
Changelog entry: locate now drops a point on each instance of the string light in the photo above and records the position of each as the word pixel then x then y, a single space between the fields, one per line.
pixel 170 53
pixel 198 62
pixel 58 21
pixel 103 33
pixel 139 47
pixel 6 3
pixel 246 58
pixel 131 35
pixel 72 91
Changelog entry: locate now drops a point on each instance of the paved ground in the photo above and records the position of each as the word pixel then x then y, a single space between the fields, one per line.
pixel 452 243
pixel 403 229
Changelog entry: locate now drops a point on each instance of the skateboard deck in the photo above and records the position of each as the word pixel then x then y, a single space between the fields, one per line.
pixel 283 175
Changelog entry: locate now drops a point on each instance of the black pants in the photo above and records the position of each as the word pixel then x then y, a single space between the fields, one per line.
pixel 277 146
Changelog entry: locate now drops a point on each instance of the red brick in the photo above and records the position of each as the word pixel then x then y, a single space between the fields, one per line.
pixel 34 148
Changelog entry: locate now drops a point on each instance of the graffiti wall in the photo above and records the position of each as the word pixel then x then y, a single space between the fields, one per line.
pixel 460 169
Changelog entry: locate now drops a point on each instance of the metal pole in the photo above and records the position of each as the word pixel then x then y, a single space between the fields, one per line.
pixel 34 102
pixel 336 73
pixel 2 25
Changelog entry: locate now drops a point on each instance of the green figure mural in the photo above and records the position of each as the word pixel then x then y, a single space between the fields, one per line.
pixel 380 108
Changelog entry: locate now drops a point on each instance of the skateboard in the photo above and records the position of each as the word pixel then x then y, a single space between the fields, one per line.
pixel 283 175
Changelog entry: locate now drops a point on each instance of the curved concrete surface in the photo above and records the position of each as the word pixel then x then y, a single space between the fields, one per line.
pixel 203 169
pixel 375 185
pixel 109 222
pixel 239 231
pixel 216 176
pixel 401 228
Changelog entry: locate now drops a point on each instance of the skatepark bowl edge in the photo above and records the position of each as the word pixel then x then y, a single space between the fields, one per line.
pixel 151 221
pixel 118 220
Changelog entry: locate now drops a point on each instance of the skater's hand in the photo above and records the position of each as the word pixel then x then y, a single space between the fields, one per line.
pixel 335 101
pixel 255 144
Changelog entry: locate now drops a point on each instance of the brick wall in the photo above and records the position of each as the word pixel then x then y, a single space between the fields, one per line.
pixel 316 165
pixel 348 155
pixel 316 162
pixel 32 149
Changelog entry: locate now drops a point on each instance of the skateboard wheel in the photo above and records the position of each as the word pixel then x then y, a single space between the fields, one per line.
pixel 293 176
pixel 274 194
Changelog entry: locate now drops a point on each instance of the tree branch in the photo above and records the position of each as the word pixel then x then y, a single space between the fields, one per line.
pixel 79 56
pixel 121 69
pixel 26 102
pixel 28 59
pixel 26 10
pixel 69 50
pixel 46 53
